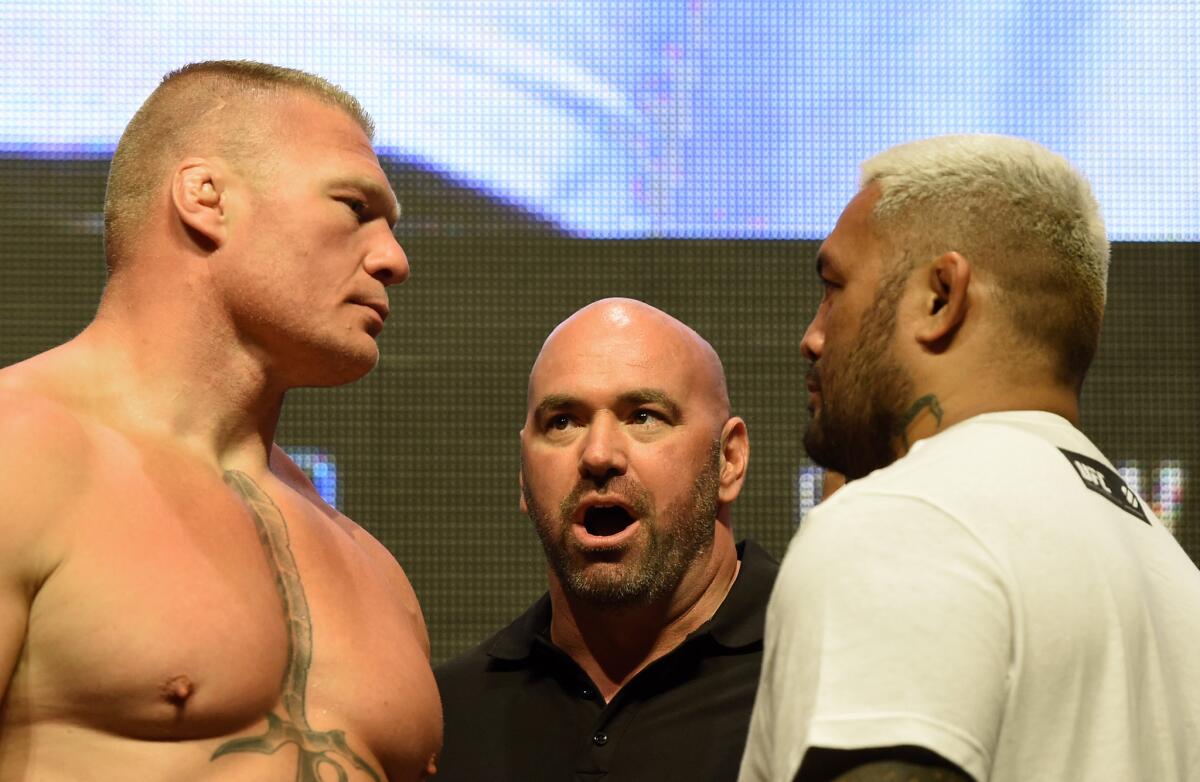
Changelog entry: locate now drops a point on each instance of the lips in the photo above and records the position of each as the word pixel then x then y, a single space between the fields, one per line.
pixel 605 521
pixel 813 381
pixel 601 522
pixel 381 307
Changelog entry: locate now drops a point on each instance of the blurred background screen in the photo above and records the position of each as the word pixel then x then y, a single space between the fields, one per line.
pixel 691 154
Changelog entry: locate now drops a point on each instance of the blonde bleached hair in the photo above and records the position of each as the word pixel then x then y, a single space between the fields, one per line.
pixel 216 105
pixel 1023 217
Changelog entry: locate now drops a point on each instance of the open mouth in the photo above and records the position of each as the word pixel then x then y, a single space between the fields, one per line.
pixel 606 520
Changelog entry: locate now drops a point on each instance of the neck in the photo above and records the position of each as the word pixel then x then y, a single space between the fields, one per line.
pixel 934 412
pixel 613 644
pixel 167 370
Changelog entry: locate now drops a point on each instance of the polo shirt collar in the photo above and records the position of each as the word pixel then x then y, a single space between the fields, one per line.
pixel 737 623
pixel 740 619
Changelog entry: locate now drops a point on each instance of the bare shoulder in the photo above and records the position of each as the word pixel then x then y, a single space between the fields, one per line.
pixel 45 443
pixel 383 561
pixel 44 464
pixel 297 479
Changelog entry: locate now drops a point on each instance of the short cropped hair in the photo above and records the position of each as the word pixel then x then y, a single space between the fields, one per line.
pixel 1021 214
pixel 208 102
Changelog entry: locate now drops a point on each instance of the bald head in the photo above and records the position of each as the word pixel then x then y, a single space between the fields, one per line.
pixel 611 333
pixel 630 459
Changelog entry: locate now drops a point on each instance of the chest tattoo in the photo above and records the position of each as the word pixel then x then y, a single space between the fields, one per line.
pixel 318 749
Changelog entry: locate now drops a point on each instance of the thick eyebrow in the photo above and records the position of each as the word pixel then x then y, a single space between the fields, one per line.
pixel 642 396
pixel 378 195
pixel 555 402
pixel 635 397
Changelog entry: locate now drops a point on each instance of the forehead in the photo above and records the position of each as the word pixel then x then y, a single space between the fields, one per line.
pixel 597 365
pixel 326 142
pixel 308 131
pixel 854 244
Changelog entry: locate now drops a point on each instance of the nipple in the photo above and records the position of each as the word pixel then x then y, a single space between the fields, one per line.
pixel 177 690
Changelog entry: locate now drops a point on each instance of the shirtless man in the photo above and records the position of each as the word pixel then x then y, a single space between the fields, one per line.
pixel 176 601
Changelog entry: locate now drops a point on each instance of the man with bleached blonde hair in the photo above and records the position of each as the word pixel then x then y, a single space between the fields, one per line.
pixel 176 600
pixel 985 599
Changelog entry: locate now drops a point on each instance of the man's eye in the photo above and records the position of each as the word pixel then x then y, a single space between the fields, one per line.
pixel 559 422
pixel 356 205
pixel 643 417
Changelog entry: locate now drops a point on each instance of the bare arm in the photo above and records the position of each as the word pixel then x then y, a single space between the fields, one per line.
pixel 887 764
pixel 14 616
pixel 41 457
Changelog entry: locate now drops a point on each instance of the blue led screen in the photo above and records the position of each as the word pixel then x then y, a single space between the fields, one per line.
pixel 733 118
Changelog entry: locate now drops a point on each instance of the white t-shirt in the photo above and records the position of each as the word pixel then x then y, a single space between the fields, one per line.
pixel 997 596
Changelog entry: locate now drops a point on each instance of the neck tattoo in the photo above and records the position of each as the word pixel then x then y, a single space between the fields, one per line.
pixel 928 401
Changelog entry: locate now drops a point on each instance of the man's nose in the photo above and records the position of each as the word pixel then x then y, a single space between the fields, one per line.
pixel 387 261
pixel 604 454
pixel 813 343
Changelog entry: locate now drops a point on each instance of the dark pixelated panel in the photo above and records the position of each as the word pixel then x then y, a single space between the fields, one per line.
pixel 425 448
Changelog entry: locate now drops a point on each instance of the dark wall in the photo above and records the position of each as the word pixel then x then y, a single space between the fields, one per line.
pixel 426 446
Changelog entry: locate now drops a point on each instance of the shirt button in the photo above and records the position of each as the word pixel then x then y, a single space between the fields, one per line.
pixel 600 739
pixel 586 692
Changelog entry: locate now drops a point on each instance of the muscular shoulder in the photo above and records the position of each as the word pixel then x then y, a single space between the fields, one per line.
pixel 382 560
pixel 296 479
pixel 45 447
pixel 45 452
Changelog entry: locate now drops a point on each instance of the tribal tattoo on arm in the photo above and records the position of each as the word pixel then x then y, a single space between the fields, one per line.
pixel 317 749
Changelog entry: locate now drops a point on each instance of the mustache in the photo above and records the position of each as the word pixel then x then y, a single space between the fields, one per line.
pixel 812 378
pixel 629 490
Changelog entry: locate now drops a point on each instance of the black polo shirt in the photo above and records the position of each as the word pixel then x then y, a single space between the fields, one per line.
pixel 518 709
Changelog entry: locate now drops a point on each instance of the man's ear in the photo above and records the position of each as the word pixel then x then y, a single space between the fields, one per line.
pixel 197 192
pixel 735 457
pixel 945 300
pixel 521 477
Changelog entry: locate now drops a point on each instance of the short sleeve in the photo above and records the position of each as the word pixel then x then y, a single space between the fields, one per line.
pixel 889 625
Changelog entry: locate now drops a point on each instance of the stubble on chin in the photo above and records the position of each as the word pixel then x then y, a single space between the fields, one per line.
pixel 853 430
pixel 644 568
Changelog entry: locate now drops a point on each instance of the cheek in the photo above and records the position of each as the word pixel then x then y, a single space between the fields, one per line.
pixel 549 474
pixel 669 473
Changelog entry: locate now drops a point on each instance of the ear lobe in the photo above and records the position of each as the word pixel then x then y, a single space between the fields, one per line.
pixel 197 194
pixel 948 281
pixel 735 457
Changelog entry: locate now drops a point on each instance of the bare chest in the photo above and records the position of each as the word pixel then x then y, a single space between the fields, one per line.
pixel 196 609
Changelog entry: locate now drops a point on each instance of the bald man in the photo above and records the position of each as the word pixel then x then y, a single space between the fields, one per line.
pixel 641 660
pixel 176 600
